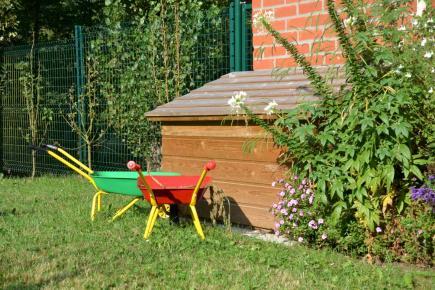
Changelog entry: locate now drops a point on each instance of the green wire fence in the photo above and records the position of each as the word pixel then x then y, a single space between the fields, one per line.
pixel 62 71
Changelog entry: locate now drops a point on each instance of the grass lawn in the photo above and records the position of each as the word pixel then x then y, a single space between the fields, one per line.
pixel 47 240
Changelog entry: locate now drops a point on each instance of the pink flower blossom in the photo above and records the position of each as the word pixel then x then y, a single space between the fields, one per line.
pixel 307 191
pixel 303 196
pixel 312 224
pixel 310 199
pixel 296 177
pixel 276 233
pixel 301 213
pixel 324 236
pixel 304 181
pixel 294 209
pixel 292 191
pixel 378 229
pixel 274 205
pixel 282 193
pixel 277 225
pixel 274 183
pixel 300 239
pixel 281 222
pixel 284 211
pixel 320 221
pixel 290 217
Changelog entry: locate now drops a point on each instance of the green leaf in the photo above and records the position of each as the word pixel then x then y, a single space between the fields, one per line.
pixel 414 169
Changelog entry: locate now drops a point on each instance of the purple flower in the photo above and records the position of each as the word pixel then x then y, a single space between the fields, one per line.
pixel 286 185
pixel 279 207
pixel 300 187
pixel 303 196
pixel 296 177
pixel 294 209
pixel 312 224
pixel 300 239
pixel 431 177
pixel 378 229
pixel 276 233
pixel 277 225
pixel 308 191
pixel 301 213
pixel 281 222
pixel 281 180
pixel 292 202
pixel 304 181
pixel 290 217
pixel 284 211
pixel 320 221
pixel 324 236
pixel 292 191
pixel 274 205
pixel 282 193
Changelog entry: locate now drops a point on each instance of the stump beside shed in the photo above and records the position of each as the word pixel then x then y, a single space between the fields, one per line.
pixel 198 127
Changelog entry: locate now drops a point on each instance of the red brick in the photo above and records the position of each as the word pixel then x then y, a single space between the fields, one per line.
pixel 285 62
pixel 278 25
pixel 306 21
pixel 274 51
pixel 315 59
pixel 303 48
pixel 285 11
pixel 262 40
pixel 290 36
pixel 263 64
pixel 314 34
pixel 305 8
pixel 268 3
pixel 323 46
pixel 334 59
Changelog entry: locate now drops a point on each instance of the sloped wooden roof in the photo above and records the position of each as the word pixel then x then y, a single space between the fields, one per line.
pixel 210 102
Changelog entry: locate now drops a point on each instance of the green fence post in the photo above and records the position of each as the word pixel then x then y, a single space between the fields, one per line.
pixel 80 82
pixel 240 34
pixel 246 35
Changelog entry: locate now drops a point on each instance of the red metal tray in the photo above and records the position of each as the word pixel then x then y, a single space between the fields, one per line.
pixel 173 189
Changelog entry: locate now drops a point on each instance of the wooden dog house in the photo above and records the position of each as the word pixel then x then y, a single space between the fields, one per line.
pixel 198 127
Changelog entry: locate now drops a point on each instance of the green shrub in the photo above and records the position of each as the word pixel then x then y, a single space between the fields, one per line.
pixel 363 146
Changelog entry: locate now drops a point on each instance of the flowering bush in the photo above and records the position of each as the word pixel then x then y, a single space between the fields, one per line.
pixel 364 145
pixel 295 214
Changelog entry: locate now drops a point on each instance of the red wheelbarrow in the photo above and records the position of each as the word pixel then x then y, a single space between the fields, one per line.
pixel 161 190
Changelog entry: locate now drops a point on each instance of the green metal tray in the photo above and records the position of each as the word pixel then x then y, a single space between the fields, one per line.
pixel 123 182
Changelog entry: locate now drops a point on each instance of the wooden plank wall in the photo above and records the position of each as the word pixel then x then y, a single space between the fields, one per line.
pixel 244 177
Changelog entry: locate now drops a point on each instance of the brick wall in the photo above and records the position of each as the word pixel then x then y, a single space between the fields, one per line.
pixel 305 22
pixel 302 21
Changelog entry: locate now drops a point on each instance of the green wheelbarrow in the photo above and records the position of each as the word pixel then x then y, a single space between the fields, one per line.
pixel 105 182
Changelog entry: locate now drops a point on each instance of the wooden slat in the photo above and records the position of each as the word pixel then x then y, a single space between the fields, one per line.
pixel 228 148
pixel 232 171
pixel 237 131
pixel 248 194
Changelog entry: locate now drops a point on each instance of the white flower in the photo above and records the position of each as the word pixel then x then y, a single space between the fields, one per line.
pixel 260 16
pixel 423 42
pixel 408 75
pixel 430 90
pixel 270 108
pixel 414 22
pixel 428 54
pixel 349 21
pixel 402 28
pixel 237 101
pixel 421 6
pixel 433 70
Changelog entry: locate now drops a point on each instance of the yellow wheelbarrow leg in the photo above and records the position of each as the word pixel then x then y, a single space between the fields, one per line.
pixel 125 208
pixel 154 211
pixel 94 204
pixel 196 221
pixel 99 201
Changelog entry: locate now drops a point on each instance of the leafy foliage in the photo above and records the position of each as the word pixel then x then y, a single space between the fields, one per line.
pixel 150 61
pixel 364 144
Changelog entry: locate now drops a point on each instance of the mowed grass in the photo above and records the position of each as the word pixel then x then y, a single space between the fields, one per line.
pixel 48 241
